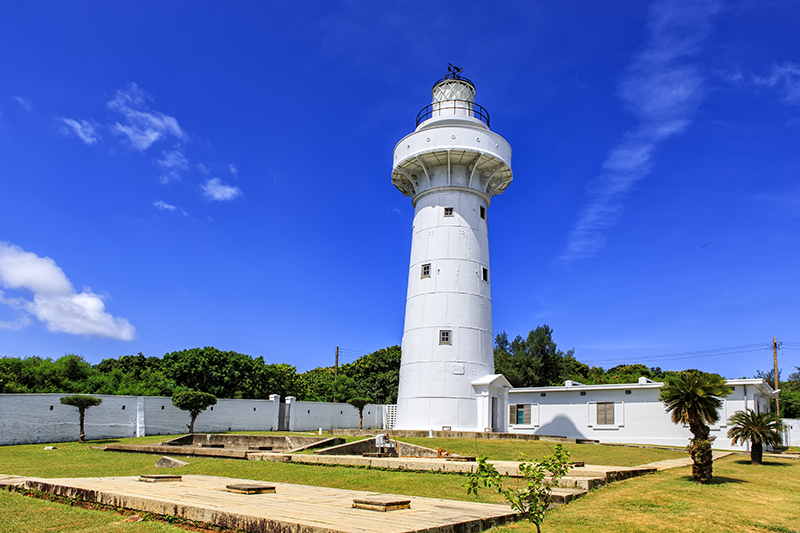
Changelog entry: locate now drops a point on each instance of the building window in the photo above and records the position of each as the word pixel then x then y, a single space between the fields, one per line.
pixel 445 336
pixel 483 213
pixel 542 394
pixel 627 392
pixel 426 270
pixel 485 274
pixel 448 211
pixel 123 407
pixel 605 413
pixel 519 413
pixel 583 393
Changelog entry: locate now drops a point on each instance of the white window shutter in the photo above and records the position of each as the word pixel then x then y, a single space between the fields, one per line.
pixel 592 413
pixel 534 414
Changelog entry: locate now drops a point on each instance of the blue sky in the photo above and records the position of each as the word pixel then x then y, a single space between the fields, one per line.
pixel 175 175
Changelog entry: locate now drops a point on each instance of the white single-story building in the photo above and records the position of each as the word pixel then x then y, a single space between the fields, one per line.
pixel 622 413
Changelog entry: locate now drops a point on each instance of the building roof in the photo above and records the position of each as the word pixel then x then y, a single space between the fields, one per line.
pixel 496 380
pixel 643 383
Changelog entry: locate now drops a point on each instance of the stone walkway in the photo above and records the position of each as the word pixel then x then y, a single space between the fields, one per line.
pixel 291 508
pixel 683 461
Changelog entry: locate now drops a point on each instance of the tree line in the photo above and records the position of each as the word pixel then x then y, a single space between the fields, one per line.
pixel 225 374
pixel 532 361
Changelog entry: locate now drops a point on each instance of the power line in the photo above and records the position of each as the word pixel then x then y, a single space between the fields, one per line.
pixel 716 352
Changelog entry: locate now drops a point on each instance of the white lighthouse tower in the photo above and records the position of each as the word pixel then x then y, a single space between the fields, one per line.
pixel 451 166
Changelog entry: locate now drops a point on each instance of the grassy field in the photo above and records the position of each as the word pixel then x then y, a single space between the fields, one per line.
pixel 742 498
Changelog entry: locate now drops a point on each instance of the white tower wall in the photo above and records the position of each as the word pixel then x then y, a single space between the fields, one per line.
pixel 450 166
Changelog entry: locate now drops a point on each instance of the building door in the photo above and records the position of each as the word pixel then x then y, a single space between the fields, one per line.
pixel 495 421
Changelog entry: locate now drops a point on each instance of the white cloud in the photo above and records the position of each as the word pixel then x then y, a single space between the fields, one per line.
pixel 172 162
pixel 204 169
pixel 233 169
pixel 174 159
pixel 216 189
pixel 25 103
pixel 164 206
pixel 55 301
pixel 84 130
pixel 20 323
pixel 785 78
pixel 169 177
pixel 662 88
pixel 142 126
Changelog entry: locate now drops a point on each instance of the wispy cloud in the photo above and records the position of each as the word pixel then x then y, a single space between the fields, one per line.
pixel 83 129
pixel 172 162
pixel 662 88
pixel 55 302
pixel 216 189
pixel 233 169
pixel 174 159
pixel 142 126
pixel 24 102
pixel 785 78
pixel 164 206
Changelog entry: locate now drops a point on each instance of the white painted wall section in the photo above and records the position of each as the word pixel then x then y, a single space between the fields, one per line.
pixel 638 415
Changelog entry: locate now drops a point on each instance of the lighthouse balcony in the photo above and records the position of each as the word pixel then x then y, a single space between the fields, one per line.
pixel 453 108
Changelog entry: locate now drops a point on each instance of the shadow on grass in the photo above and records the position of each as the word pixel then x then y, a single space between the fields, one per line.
pixel 716 480
pixel 104 441
pixel 763 463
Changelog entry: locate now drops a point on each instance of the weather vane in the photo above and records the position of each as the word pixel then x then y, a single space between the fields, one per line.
pixel 453 71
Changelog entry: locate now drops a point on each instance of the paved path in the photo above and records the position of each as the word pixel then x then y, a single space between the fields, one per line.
pixel 683 461
pixel 292 508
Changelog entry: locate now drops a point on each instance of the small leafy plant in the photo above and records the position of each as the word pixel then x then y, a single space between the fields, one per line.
pixel 531 500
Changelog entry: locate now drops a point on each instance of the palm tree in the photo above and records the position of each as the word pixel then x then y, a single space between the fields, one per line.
pixel 759 429
pixel 693 398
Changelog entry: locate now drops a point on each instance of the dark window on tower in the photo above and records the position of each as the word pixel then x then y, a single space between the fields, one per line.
pixel 485 274
pixel 445 337
pixel 426 270
pixel 483 213
pixel 448 211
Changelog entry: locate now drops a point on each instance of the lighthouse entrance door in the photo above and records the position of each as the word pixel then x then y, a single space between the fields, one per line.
pixel 495 423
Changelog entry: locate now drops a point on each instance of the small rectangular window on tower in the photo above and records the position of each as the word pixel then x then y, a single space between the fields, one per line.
pixel 426 270
pixel 448 211
pixel 445 336
pixel 485 274
pixel 483 213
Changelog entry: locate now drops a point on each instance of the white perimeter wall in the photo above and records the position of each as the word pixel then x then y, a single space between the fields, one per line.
pixel 791 436
pixel 42 418
pixel 640 418
pixel 310 416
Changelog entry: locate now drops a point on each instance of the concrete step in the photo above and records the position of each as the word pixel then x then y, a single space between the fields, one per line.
pixel 8 482
pixel 562 496
pixel 581 483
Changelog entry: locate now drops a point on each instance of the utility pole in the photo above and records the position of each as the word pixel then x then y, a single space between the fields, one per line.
pixel 775 361
pixel 335 373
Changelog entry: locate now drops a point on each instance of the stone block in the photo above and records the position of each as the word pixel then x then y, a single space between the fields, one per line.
pixel 381 503
pixel 169 462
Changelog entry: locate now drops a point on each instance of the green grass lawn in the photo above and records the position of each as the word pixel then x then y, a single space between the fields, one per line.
pixel 742 498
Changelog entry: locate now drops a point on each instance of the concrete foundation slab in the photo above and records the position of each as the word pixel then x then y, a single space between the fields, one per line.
pixel 291 509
